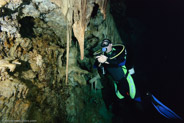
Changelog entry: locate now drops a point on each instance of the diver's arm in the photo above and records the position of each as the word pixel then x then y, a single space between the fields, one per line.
pixel 96 64
pixel 102 59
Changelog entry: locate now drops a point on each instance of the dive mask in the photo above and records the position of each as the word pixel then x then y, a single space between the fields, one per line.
pixel 105 43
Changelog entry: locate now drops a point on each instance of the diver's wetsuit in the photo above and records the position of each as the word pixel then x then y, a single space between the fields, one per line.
pixel 123 82
pixel 125 87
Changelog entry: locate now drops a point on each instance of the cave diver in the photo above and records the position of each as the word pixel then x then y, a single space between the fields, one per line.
pixel 111 60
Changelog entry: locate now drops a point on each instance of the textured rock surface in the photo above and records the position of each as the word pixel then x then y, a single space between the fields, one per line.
pixel 33 41
pixel 13 102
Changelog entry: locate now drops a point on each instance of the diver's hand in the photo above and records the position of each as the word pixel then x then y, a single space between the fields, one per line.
pixel 102 59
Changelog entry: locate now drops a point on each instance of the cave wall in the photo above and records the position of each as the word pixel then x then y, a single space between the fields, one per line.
pixel 39 40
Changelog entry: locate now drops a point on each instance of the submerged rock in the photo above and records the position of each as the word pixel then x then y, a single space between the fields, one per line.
pixel 33 41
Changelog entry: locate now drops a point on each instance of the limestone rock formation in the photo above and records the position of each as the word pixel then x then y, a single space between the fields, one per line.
pixel 34 45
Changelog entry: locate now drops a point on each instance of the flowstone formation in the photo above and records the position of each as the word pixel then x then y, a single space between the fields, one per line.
pixel 35 38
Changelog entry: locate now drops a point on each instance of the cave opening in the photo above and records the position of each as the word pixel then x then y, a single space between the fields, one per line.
pixel 27 25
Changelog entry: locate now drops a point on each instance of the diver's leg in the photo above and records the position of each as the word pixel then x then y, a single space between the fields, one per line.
pixel 108 94
pixel 123 87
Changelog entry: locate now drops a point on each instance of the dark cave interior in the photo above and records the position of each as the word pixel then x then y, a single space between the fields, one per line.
pixel 152 32
pixel 27 24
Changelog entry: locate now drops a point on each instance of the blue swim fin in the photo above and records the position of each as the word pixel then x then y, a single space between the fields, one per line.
pixel 164 110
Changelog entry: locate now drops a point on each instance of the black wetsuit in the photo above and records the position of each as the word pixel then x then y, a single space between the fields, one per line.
pixel 114 68
pixel 116 74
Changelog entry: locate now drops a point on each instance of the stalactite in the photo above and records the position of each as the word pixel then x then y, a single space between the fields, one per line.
pixel 81 16
pixel 79 26
pixel 69 30
pixel 78 21
pixel 67 54
pixel 69 38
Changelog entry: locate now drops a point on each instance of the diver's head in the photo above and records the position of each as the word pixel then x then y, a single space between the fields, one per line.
pixel 106 45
